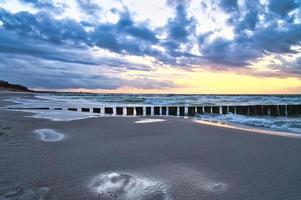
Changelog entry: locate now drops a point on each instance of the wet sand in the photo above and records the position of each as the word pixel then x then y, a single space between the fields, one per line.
pixel 178 158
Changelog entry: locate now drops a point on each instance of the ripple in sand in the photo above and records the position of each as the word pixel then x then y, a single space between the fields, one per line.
pixel 49 135
pixel 149 121
pixel 127 187
pixel 216 187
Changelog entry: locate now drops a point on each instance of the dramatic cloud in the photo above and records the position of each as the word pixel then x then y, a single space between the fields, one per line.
pixel 87 34
pixel 282 8
pixel 252 38
pixel 229 5
pixel 89 7
pixel 51 74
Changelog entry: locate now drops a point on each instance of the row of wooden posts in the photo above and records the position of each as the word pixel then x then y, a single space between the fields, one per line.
pixel 271 110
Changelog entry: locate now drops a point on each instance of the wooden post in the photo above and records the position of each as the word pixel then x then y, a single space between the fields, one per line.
pixel 163 110
pixel 224 110
pixel 215 109
pixel 274 110
pixel 259 110
pixel 156 110
pixel 182 110
pixel 148 110
pixel 119 110
pixel 245 110
pixel 232 109
pixel 96 110
pixel 298 109
pixel 109 110
pixel 282 110
pixel 199 109
pixel 207 109
pixel 239 110
pixel 139 111
pixel 173 111
pixel 265 110
pixel 191 111
pixel 85 109
pixel 130 111
pixel 252 110
pixel 293 109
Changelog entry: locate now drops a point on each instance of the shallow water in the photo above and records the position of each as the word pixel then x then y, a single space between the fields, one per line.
pixel 284 124
pixel 65 100
pixel 145 121
pixel 49 135
pixel 127 187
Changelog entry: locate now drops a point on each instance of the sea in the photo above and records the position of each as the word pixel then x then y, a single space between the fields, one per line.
pixel 291 124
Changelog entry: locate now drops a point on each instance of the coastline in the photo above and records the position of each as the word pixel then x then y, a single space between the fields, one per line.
pixel 80 115
pixel 180 158
pixel 250 129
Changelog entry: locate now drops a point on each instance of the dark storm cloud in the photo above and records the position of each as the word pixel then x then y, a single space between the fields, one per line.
pixel 47 5
pixel 89 7
pixel 34 53
pixel 258 30
pixel 43 27
pixel 40 3
pixel 228 5
pixel 124 37
pixel 251 17
pixel 282 8
pixel 251 39
pixel 243 48
pixel 180 27
pixel 180 30
pixel 18 45
pixel 14 44
pixel 36 72
pixel 113 37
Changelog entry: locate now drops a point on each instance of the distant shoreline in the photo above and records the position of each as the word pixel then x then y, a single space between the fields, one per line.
pixel 6 86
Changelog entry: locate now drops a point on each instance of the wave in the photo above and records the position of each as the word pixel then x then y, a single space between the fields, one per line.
pixel 65 100
pixel 287 124
pixel 152 99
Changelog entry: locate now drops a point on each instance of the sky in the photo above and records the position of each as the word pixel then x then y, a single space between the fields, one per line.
pixel 152 46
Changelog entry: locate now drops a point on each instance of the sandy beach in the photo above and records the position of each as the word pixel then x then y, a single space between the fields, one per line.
pixel 116 158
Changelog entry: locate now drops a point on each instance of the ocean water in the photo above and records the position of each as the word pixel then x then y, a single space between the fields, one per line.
pixel 65 100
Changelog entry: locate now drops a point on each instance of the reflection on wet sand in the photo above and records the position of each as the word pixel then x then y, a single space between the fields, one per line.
pixel 128 187
pixel 49 135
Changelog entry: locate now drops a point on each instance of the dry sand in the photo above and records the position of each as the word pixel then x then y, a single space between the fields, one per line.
pixel 121 159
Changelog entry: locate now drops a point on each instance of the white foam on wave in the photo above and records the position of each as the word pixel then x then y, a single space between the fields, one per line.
pixel 51 114
pixel 127 187
pixel 49 135
pixel 144 121
pixel 250 128
pixel 60 115
pixel 281 123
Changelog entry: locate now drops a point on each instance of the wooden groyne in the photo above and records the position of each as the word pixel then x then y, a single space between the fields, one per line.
pixel 250 110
